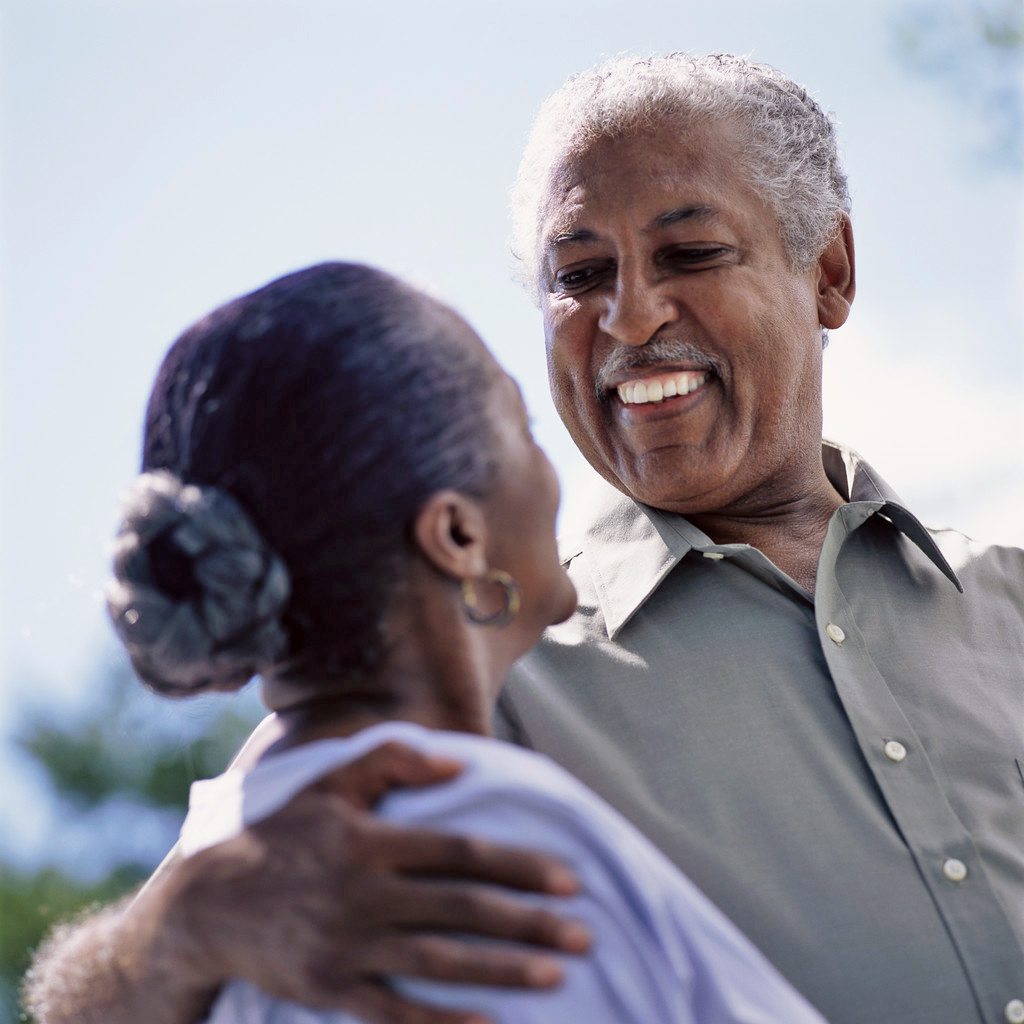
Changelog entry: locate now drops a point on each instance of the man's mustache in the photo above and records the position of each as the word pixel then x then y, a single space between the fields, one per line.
pixel 657 351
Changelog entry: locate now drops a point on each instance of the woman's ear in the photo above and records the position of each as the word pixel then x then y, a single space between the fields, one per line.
pixel 837 278
pixel 450 532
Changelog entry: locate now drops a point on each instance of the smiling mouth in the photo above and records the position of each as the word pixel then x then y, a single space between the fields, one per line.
pixel 653 390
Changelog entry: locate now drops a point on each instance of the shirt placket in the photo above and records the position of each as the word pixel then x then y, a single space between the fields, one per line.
pixel 943 850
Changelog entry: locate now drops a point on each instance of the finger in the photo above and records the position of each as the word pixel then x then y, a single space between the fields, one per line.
pixel 375 1003
pixel 440 958
pixel 475 910
pixel 390 766
pixel 423 852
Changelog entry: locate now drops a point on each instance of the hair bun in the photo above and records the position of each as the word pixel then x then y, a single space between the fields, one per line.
pixel 197 594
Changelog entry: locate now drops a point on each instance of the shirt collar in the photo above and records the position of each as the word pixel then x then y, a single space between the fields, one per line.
pixel 631 554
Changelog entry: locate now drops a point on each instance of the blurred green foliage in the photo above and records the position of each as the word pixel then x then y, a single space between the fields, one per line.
pixel 128 758
pixel 30 903
pixel 90 764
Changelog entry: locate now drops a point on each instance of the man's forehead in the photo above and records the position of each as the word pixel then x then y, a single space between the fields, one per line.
pixel 676 177
pixel 574 204
pixel 581 176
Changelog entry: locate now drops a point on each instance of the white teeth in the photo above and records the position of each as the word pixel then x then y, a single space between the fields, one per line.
pixel 640 392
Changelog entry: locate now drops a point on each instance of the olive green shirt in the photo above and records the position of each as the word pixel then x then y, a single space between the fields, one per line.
pixel 842 774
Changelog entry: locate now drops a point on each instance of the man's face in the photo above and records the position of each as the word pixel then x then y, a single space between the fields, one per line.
pixel 663 275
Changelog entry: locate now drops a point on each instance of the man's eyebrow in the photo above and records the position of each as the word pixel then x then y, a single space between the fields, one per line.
pixel 569 237
pixel 664 220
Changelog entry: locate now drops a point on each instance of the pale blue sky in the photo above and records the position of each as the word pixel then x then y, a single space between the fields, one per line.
pixel 161 156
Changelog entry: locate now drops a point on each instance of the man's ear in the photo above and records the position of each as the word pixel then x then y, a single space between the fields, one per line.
pixel 451 534
pixel 837 279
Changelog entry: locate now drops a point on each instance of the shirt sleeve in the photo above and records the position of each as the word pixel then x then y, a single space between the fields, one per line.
pixel 628 977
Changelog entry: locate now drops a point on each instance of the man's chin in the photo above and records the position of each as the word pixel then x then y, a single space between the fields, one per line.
pixel 664 483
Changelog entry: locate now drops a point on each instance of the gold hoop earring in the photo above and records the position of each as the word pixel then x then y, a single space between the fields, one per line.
pixel 510 600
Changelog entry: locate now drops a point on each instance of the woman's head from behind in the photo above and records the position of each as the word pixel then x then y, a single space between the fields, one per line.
pixel 312 451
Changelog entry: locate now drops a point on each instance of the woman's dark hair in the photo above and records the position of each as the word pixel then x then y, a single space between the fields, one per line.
pixel 329 404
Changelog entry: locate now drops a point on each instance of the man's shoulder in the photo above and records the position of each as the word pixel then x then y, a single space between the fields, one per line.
pixel 856 479
pixel 968 547
pixel 979 563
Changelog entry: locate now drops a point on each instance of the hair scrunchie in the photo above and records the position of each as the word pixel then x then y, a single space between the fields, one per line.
pixel 197 594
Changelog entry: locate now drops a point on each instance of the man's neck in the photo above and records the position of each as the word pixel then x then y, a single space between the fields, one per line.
pixel 789 532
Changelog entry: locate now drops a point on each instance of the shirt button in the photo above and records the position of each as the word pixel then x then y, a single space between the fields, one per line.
pixel 835 633
pixel 894 750
pixel 956 871
pixel 1014 1011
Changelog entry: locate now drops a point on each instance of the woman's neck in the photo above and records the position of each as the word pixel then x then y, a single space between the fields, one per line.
pixel 440 685
pixel 437 670
pixel 333 717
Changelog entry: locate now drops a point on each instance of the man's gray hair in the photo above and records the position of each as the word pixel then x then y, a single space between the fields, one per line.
pixel 792 155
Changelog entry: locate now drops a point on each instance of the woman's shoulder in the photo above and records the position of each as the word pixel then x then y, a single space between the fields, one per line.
pixel 493 770
pixel 506 793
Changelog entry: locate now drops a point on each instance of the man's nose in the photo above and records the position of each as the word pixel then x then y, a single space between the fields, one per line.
pixel 635 311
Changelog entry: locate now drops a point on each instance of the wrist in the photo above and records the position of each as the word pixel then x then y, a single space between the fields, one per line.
pixel 168 944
